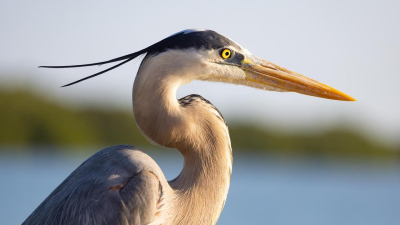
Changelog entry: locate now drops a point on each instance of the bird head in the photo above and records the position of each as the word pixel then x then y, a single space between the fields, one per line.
pixel 209 56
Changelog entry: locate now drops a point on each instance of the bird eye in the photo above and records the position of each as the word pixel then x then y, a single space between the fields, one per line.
pixel 226 53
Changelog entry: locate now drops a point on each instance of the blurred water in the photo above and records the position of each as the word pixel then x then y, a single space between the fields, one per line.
pixel 263 191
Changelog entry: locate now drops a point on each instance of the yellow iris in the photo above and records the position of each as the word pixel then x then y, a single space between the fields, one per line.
pixel 226 53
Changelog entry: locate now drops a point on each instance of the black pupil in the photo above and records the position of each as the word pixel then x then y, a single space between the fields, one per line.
pixel 226 53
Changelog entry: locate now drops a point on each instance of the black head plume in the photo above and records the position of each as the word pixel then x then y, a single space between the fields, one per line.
pixel 126 59
pixel 186 39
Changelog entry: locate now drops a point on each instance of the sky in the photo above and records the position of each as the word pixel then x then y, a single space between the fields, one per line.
pixel 353 46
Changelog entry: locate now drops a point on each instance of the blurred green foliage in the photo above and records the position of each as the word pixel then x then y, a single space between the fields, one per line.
pixel 332 143
pixel 28 120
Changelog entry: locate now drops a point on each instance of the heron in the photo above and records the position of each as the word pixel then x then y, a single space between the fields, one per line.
pixel 122 184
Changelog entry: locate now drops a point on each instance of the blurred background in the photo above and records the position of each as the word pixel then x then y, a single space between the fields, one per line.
pixel 297 159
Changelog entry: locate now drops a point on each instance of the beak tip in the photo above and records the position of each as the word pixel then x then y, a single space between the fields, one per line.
pixel 340 95
pixel 347 98
pixel 353 100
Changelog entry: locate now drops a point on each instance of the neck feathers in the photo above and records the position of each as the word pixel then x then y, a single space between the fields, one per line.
pixel 194 127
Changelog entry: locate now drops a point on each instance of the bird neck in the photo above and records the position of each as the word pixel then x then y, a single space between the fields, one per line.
pixel 197 132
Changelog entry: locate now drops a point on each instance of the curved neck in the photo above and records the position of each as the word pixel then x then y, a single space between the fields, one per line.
pixel 196 131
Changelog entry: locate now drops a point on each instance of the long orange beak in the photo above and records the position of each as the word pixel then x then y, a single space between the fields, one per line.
pixel 266 73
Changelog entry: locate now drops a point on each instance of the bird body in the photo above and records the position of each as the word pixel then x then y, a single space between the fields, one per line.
pixel 104 190
pixel 123 185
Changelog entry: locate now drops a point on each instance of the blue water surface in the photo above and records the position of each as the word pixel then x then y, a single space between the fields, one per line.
pixel 263 190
